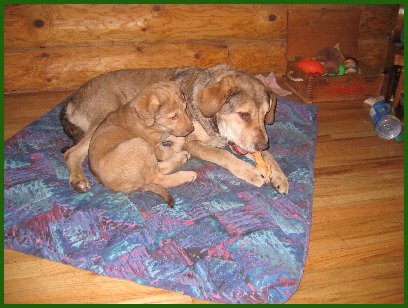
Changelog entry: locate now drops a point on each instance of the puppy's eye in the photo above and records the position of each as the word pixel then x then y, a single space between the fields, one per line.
pixel 174 117
pixel 244 116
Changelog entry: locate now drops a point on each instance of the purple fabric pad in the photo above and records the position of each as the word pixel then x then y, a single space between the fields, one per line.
pixel 224 241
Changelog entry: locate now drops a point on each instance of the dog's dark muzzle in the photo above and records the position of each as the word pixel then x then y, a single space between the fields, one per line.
pixel 261 145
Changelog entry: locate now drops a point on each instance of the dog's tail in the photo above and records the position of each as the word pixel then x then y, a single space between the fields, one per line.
pixel 158 190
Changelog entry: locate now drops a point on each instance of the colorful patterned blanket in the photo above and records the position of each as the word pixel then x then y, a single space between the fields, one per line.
pixel 224 241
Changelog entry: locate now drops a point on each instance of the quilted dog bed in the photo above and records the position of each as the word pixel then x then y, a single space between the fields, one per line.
pixel 224 241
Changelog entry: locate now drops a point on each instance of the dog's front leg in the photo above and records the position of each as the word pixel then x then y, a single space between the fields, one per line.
pixel 237 167
pixel 278 179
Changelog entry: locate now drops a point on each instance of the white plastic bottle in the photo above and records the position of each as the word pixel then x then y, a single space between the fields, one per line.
pixel 385 124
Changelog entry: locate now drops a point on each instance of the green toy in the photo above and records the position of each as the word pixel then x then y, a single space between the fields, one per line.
pixel 340 72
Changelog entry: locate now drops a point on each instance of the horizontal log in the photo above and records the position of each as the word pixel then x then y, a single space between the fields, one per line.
pixel 259 57
pixel 28 26
pixel 66 68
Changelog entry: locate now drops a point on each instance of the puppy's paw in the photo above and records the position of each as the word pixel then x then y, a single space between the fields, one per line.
pixel 279 181
pixel 188 176
pixel 79 183
pixel 181 158
pixel 186 156
pixel 217 142
pixel 192 175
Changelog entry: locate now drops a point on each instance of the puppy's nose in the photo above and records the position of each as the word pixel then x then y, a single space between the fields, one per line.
pixel 190 127
pixel 187 129
pixel 261 145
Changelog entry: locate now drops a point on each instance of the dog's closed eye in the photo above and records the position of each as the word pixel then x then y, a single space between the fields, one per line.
pixel 244 116
pixel 174 116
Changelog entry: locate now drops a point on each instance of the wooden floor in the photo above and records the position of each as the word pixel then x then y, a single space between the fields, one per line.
pixel 357 241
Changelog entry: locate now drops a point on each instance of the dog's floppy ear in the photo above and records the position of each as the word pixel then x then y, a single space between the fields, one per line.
pixel 270 115
pixel 147 107
pixel 211 98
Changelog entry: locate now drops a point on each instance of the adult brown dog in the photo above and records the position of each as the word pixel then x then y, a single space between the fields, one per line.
pixel 227 106
pixel 126 152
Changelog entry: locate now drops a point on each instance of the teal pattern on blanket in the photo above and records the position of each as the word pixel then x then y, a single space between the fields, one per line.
pixel 224 241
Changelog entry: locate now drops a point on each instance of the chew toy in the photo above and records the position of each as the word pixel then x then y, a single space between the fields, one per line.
pixel 262 165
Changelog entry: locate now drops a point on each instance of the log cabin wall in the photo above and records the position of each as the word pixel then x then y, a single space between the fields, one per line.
pixel 56 47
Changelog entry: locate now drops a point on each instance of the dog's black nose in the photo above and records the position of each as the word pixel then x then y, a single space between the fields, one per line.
pixel 261 145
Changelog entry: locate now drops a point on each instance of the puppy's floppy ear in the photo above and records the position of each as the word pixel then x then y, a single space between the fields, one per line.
pixel 147 107
pixel 270 115
pixel 211 98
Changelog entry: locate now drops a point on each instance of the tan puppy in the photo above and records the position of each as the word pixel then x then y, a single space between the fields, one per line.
pixel 137 145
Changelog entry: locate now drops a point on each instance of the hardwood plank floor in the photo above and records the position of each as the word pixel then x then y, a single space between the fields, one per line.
pixel 357 240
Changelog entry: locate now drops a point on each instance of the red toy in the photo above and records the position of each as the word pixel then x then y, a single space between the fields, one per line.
pixel 311 66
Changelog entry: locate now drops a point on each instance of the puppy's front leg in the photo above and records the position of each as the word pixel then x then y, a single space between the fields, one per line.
pixel 177 160
pixel 74 158
pixel 169 147
pixel 237 167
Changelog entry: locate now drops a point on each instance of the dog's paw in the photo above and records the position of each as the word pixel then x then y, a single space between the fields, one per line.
pixel 257 179
pixel 80 183
pixel 251 175
pixel 279 181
